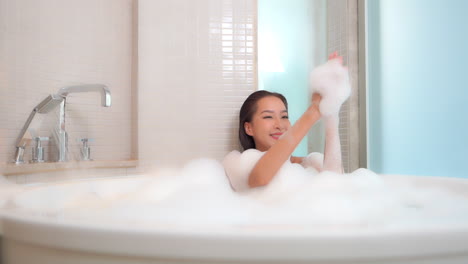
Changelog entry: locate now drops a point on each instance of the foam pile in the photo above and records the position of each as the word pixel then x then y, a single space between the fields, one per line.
pixel 200 195
pixel 331 80
pixel 7 190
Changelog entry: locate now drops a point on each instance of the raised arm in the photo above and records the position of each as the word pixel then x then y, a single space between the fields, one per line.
pixel 332 154
pixel 274 158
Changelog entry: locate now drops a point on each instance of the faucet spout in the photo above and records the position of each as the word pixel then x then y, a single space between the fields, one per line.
pixel 106 100
pixel 62 135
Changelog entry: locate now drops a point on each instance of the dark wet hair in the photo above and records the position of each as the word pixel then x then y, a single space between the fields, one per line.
pixel 249 107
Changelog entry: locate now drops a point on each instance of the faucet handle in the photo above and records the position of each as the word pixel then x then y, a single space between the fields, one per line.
pixel 85 149
pixel 38 150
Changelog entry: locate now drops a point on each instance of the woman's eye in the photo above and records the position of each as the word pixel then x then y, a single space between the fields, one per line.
pixel 285 117
pixel 265 117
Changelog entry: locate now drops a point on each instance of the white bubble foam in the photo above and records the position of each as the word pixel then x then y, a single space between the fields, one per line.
pixel 199 194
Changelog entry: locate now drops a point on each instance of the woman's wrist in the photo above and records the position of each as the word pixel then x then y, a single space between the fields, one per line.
pixel 331 121
pixel 313 111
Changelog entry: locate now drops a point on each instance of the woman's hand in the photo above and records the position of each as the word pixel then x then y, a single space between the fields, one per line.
pixel 335 55
pixel 316 98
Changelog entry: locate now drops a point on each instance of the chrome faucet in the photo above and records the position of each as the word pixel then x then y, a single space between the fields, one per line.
pixel 62 137
pixel 49 103
pixel 106 100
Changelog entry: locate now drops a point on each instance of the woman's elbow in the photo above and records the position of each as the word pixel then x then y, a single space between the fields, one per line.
pixel 257 182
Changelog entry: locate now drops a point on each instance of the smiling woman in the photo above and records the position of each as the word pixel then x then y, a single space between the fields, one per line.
pixel 264 126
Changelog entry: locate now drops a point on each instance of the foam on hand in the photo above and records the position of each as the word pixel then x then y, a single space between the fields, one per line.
pixel 331 81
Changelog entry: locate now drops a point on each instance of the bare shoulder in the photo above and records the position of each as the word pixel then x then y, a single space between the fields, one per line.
pixel 238 167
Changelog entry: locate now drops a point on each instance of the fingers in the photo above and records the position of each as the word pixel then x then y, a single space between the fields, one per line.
pixel 335 55
pixel 316 98
pixel 340 59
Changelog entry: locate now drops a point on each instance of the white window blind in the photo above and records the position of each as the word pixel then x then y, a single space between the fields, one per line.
pixel 342 37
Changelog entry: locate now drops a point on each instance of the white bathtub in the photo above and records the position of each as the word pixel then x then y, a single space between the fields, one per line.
pixel 40 238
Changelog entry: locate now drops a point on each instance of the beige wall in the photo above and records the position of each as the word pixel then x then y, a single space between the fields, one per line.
pixel 49 44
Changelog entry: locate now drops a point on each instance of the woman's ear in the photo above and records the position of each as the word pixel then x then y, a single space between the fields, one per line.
pixel 248 129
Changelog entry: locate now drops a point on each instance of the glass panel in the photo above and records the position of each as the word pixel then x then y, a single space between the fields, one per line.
pixel 291 41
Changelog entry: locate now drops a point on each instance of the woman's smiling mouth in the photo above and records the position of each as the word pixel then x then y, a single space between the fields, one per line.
pixel 276 136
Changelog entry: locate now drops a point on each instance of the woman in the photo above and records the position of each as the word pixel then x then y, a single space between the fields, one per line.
pixel 264 125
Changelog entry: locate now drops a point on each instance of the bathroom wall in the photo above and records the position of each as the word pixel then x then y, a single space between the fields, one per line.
pixel 194 64
pixel 49 44
pixel 197 64
pixel 417 90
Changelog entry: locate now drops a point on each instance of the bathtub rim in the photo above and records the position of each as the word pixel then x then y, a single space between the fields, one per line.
pixel 47 232
pixel 232 245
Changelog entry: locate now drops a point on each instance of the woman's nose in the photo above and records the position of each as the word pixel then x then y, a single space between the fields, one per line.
pixel 282 124
pixel 278 123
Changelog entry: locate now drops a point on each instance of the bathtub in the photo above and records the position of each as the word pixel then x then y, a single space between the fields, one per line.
pixel 45 238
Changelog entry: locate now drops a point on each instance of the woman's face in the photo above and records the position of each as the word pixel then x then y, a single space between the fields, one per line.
pixel 269 122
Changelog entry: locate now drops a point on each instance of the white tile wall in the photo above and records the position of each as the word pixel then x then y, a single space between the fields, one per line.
pixel 195 60
pixel 197 64
pixel 49 44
